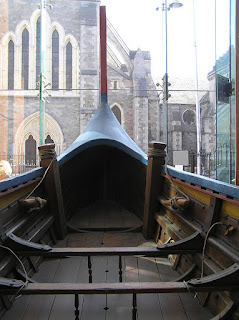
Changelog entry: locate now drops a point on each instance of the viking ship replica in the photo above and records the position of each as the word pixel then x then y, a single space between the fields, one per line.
pixel 105 232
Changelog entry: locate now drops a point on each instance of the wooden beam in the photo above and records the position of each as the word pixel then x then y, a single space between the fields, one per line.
pixel 54 192
pixel 154 182
pixel 116 251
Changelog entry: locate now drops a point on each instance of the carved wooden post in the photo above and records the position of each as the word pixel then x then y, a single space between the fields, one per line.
pixel 53 188
pixel 153 186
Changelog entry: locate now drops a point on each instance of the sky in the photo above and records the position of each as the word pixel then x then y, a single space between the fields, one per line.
pixel 141 26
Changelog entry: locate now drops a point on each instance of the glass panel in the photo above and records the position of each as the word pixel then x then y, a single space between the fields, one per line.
pixel 225 78
pixel 222 77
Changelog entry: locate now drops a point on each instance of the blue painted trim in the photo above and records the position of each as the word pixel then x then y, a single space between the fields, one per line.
pixel 15 181
pixel 215 185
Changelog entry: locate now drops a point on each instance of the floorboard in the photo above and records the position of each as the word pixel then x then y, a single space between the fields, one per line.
pixel 106 269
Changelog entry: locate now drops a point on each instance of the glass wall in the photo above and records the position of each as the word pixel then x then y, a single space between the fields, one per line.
pixel 225 81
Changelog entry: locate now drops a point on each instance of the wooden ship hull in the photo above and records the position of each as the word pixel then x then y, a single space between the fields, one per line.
pixel 103 232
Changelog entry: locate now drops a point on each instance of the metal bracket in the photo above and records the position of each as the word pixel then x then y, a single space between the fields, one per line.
pixel 229 276
pixel 20 244
pixel 13 283
pixel 191 244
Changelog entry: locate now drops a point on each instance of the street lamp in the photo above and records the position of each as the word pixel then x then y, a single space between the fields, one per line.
pixel 165 8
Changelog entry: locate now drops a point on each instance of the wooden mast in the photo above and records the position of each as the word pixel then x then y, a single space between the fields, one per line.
pixel 103 55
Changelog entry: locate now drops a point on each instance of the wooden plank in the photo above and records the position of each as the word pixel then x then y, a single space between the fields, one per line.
pixel 63 306
pixel 176 310
pixel 148 305
pixel 39 306
pixel 115 288
pixel 113 240
pixel 93 305
pixel 190 306
pixel 120 306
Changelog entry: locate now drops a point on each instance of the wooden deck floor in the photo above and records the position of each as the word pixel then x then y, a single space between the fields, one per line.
pixel 105 269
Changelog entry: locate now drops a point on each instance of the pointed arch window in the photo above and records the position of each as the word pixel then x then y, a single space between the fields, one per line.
pixel 49 139
pixel 25 58
pixel 38 52
pixel 69 66
pixel 117 112
pixel 11 65
pixel 30 151
pixel 55 60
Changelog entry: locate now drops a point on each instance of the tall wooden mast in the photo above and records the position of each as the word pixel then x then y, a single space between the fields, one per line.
pixel 103 55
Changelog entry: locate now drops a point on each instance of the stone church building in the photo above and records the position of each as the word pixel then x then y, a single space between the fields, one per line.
pixel 72 77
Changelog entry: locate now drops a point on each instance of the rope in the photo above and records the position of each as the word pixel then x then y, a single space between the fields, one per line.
pixel 159 153
pixel 177 188
pixel 47 154
pixel 44 154
pixel 204 249
pixel 156 153
pixel 205 243
pixel 23 268
pixel 174 204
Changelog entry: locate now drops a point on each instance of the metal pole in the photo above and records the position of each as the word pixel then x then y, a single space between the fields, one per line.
pixel 237 95
pixel 198 111
pixel 166 65
pixel 42 71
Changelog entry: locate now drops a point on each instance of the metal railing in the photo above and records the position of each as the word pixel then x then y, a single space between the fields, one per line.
pixel 19 164
pixel 213 161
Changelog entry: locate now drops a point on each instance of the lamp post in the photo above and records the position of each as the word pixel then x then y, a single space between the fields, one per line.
pixel 198 109
pixel 42 71
pixel 42 80
pixel 165 8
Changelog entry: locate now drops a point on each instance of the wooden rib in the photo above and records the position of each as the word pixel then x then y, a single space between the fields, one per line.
pixel 186 275
pixel 226 312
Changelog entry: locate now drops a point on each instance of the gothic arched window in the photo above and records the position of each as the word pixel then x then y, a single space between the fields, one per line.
pixel 25 58
pixel 69 66
pixel 38 52
pixel 55 60
pixel 30 151
pixel 49 139
pixel 11 65
pixel 117 112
